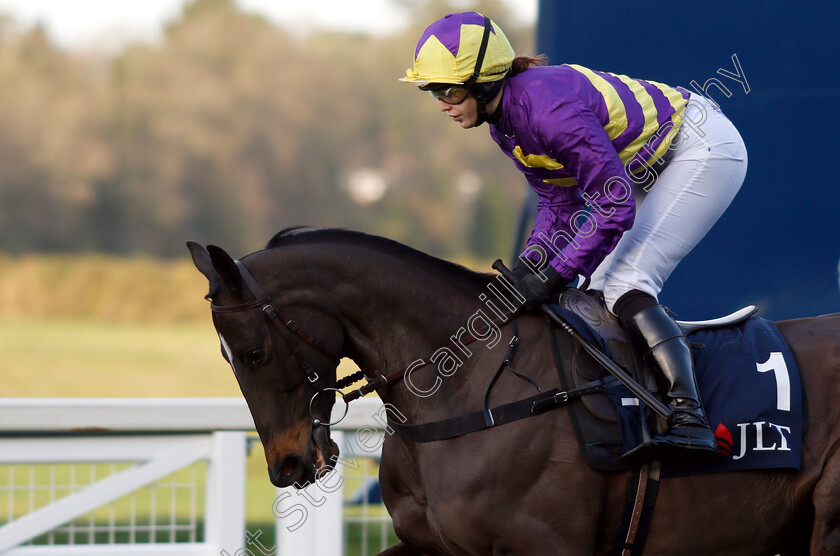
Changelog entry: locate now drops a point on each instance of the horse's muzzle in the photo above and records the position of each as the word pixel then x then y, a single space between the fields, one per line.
pixel 297 471
pixel 291 471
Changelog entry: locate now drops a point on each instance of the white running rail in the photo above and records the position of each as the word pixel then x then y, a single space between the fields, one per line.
pixel 107 449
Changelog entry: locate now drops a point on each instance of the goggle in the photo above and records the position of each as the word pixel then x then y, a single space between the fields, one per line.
pixel 453 94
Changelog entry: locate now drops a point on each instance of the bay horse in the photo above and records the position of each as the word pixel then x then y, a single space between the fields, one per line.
pixel 522 488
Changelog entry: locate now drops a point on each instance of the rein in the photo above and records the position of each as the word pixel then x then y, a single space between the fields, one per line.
pixel 383 381
pixel 288 329
pixel 427 432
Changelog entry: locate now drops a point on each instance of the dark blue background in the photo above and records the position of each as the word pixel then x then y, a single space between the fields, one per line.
pixel 778 245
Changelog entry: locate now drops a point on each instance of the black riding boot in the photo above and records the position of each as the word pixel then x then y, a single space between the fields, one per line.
pixel 666 349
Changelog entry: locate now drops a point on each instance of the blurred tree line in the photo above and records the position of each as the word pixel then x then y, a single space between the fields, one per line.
pixel 231 128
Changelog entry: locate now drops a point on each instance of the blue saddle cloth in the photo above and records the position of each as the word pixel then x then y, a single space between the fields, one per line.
pixel 751 391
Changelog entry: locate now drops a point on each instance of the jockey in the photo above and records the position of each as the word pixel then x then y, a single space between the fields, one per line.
pixel 593 145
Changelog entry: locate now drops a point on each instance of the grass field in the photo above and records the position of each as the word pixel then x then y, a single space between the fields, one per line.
pixel 73 358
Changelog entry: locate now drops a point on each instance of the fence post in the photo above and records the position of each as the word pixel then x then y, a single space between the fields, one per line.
pixel 311 521
pixel 225 506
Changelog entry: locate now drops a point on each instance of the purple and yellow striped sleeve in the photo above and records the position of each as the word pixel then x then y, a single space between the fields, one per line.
pixel 580 225
pixel 581 137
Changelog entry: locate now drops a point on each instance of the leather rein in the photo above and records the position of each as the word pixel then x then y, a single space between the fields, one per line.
pixel 291 332
pixel 447 428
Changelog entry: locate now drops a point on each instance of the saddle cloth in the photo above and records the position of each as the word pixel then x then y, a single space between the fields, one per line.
pixel 749 384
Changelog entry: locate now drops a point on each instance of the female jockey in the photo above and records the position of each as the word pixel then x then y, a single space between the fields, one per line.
pixel 593 145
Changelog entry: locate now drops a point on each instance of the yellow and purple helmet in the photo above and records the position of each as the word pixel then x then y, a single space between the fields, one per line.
pixel 461 48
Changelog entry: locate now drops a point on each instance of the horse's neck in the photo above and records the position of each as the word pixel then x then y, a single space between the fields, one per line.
pixel 396 323
pixel 390 306
pixel 405 314
pixel 394 309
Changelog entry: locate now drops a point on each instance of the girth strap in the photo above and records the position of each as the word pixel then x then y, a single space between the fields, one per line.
pixel 507 413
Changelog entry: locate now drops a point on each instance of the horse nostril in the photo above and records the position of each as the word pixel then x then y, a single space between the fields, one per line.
pixel 287 473
pixel 290 465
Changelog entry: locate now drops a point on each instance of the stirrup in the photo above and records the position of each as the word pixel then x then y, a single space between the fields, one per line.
pixel 698 444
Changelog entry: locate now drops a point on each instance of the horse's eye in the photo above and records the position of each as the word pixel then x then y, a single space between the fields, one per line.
pixel 255 356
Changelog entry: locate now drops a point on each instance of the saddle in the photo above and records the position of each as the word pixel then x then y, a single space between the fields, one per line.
pixel 610 419
pixel 596 419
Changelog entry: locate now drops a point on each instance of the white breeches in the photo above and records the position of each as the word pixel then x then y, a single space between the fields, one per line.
pixel 708 162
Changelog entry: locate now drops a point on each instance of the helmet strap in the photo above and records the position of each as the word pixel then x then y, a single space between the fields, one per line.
pixel 479 60
pixel 481 105
pixel 496 116
pixel 480 93
pixel 484 92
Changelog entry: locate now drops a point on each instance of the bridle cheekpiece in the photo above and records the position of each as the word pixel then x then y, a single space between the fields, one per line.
pixel 289 331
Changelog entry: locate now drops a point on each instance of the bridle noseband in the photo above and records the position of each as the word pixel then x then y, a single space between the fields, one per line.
pixel 288 331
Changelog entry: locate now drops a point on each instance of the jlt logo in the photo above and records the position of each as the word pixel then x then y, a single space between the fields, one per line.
pixel 760 436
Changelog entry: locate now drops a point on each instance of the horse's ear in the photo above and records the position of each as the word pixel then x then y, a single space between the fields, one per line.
pixel 225 267
pixel 201 259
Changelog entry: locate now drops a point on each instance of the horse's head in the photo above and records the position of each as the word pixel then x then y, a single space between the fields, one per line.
pixel 282 370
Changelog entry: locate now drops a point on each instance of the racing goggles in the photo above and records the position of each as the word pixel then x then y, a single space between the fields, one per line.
pixel 450 94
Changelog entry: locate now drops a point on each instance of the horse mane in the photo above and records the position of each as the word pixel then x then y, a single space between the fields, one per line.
pixel 301 234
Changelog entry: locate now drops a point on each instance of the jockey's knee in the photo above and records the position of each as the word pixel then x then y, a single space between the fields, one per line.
pixel 615 290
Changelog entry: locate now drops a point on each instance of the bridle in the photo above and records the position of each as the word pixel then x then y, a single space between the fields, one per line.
pixel 288 329
pixel 289 332
pixel 447 428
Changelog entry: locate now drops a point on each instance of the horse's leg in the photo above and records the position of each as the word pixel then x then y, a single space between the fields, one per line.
pixel 825 539
pixel 533 536
pixel 408 512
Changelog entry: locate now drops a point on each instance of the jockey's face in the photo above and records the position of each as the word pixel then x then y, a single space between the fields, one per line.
pixel 465 112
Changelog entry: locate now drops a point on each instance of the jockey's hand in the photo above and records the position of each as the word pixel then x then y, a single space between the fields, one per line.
pixel 535 288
